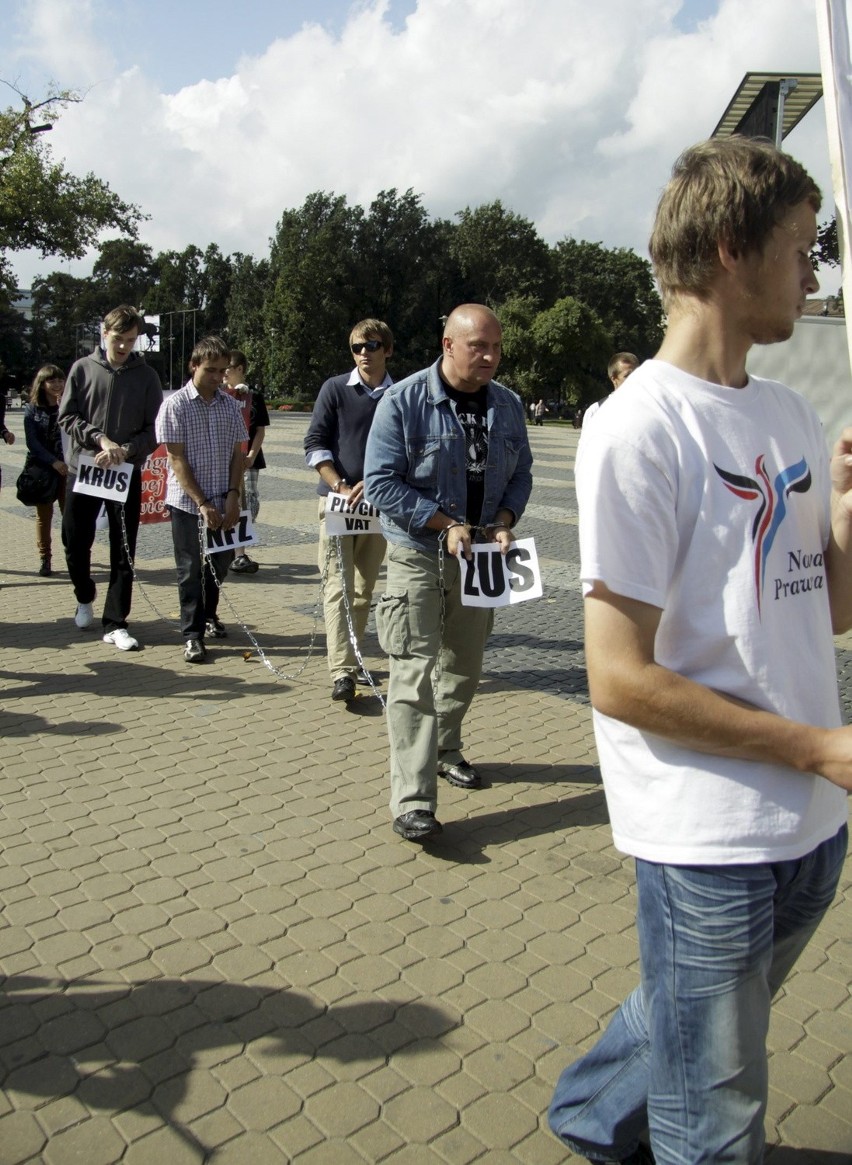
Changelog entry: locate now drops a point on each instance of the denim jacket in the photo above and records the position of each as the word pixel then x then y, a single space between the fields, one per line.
pixel 416 458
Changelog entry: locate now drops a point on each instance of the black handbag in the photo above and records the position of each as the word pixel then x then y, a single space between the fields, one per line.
pixel 37 484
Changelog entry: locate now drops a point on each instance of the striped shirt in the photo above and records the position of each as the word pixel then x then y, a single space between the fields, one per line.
pixel 208 433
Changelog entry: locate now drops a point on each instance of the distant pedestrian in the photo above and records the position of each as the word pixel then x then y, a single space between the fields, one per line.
pixel 539 409
pixel 44 449
pixel 620 366
pixel 256 418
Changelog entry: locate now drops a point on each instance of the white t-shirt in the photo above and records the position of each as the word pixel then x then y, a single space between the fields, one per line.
pixel 712 504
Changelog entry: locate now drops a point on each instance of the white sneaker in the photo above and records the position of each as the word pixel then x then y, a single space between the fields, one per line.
pixel 84 615
pixel 122 640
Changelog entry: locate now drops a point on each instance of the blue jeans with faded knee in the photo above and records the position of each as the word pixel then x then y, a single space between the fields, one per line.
pixel 685 1055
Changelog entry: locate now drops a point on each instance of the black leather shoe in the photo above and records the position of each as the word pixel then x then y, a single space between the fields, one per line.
pixel 418 825
pixel 344 689
pixel 462 775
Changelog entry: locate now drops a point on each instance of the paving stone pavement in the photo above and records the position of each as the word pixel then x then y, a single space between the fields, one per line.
pixel 212 946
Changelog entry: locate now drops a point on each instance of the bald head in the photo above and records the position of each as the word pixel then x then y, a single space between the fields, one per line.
pixel 472 347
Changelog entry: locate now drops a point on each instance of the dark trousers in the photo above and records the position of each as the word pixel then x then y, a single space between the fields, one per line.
pixel 78 535
pixel 198 602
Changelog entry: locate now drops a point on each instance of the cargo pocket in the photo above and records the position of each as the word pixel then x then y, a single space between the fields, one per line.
pixel 392 624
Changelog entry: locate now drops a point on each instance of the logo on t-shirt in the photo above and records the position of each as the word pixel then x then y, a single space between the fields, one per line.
pixel 771 497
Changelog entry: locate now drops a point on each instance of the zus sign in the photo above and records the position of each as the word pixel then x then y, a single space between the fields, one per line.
pixel 493 579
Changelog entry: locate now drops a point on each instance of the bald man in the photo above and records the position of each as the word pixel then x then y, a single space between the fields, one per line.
pixel 448 463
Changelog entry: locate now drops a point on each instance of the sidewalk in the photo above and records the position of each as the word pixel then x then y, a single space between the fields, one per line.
pixel 216 950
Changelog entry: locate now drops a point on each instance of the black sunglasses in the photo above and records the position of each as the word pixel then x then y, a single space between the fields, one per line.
pixel 370 345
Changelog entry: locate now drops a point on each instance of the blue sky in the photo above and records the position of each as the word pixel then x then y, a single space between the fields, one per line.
pixel 216 116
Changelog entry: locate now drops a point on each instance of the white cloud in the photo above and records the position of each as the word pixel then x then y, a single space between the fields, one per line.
pixel 571 113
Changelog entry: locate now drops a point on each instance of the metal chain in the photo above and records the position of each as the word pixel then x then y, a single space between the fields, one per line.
pixel 137 581
pixel 279 673
pixel 353 639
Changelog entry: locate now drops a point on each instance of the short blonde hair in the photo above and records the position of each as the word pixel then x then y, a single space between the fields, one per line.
pixel 734 189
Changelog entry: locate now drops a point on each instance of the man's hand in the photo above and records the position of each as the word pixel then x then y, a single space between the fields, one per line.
pixel 354 493
pixel 502 535
pixel 212 517
pixel 250 456
pixel 9 437
pixel 458 539
pixel 232 511
pixel 61 468
pixel 111 453
pixel 833 758
pixel 841 469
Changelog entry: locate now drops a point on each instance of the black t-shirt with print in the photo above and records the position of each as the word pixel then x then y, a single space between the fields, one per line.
pixel 471 409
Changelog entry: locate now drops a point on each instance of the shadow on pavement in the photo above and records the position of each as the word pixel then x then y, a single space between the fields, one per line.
pixel 31 724
pixel 466 840
pixel 120 1048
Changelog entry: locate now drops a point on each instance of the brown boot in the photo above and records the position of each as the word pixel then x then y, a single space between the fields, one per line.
pixel 44 569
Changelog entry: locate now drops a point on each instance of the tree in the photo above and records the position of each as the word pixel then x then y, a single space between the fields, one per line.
pixel 405 275
pixel 500 255
pixel 246 297
pixel 123 273
pixel 557 352
pixel 312 296
pixel 619 286
pixel 42 205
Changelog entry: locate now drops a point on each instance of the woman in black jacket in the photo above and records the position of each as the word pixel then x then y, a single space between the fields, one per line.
pixel 44 448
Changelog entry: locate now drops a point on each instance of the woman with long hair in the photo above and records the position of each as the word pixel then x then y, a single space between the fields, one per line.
pixel 44 448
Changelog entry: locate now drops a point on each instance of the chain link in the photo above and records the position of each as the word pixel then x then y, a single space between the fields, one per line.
pixel 353 638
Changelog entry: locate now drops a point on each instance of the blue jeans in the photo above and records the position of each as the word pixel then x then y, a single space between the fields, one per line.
pixel 685 1055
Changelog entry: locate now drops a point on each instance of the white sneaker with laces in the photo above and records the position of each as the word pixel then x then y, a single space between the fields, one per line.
pixel 122 640
pixel 84 616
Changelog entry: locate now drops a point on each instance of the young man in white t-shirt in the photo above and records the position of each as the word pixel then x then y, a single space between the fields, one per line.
pixel 716 548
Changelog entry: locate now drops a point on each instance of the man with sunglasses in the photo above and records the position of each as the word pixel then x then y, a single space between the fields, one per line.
pixel 334 446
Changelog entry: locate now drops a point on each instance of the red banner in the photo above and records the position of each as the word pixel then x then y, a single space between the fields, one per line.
pixel 154 476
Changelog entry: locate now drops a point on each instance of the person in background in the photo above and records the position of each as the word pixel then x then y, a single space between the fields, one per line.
pixel 620 366
pixel 204 434
pixel 256 418
pixel 108 410
pixel 44 447
pixel 334 447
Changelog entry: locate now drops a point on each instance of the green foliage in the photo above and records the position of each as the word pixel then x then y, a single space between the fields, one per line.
pixel 827 250
pixel 619 286
pixel 42 205
pixel 309 309
pixel 500 254
pixel 555 353
pixel 564 309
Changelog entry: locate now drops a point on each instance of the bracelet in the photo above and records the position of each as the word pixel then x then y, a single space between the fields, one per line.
pixel 340 481
pixel 500 526
pixel 202 504
pixel 232 490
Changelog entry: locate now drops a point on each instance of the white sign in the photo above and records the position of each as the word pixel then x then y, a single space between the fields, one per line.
pixel 492 579
pixel 343 518
pixel 242 534
pixel 111 483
